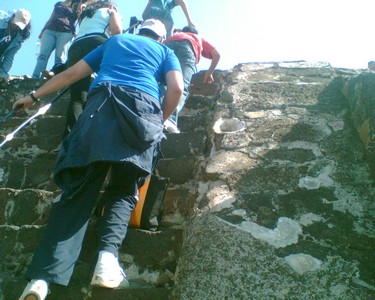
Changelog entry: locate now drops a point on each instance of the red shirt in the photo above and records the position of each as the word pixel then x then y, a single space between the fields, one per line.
pixel 200 45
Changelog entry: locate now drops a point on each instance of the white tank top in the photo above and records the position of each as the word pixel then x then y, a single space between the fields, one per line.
pixel 98 23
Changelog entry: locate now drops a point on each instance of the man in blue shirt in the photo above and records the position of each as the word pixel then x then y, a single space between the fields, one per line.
pixel 119 132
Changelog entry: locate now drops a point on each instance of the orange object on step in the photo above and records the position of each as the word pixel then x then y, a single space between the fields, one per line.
pixel 135 218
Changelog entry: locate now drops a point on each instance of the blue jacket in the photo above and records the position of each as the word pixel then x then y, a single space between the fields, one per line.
pixel 118 124
pixel 6 58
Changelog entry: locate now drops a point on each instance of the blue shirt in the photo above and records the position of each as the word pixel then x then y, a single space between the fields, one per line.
pixel 133 61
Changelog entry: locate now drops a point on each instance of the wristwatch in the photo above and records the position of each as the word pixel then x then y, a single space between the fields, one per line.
pixel 35 99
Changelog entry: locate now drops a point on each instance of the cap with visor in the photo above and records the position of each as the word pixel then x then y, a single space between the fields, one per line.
pixel 155 26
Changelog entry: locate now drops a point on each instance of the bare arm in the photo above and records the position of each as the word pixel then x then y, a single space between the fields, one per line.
pixel 208 78
pixel 78 71
pixel 115 21
pixel 185 9
pixel 175 86
pixel 146 9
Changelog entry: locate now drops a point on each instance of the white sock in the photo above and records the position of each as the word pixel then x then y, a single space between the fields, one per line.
pixel 106 257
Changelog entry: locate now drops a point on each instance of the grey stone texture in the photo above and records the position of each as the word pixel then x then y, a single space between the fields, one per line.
pixel 271 195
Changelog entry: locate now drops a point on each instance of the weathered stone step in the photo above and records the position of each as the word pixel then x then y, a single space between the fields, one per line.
pixel 45 132
pixel 179 170
pixel 149 260
pixel 179 203
pixel 201 103
pixel 192 121
pixel 132 293
pixel 184 144
pixel 13 287
pixel 21 207
pixel 28 171
pixel 265 95
pixel 17 246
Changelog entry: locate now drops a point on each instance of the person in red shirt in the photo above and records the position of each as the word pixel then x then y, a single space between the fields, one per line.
pixel 189 47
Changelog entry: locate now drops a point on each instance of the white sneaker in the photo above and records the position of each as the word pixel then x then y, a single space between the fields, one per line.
pixel 35 290
pixel 171 127
pixel 109 275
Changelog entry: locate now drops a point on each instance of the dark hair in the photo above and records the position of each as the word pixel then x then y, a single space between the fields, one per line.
pixel 91 9
pixel 26 32
pixel 189 29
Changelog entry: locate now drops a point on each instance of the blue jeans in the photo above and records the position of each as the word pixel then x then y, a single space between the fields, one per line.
pixel 186 57
pixel 52 40
pixel 60 247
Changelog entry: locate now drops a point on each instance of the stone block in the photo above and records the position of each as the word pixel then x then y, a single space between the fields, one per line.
pixel 50 126
pixel 17 247
pixel 228 163
pixel 184 144
pixel 219 77
pixel 59 108
pixel 193 123
pixel 200 103
pixel 43 142
pixel 179 170
pixel 157 250
pixel 39 171
pixel 16 174
pixel 25 207
pixel 179 199
pixel 204 89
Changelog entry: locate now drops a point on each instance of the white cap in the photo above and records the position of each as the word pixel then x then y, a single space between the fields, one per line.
pixel 156 26
pixel 22 18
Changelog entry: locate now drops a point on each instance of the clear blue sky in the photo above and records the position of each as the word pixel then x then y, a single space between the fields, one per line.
pixel 337 31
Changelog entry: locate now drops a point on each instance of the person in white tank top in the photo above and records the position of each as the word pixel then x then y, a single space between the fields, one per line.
pixel 97 22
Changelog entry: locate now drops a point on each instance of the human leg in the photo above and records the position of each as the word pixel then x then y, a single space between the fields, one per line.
pixel 62 43
pixel 78 90
pixel 78 99
pixel 120 198
pixel 61 244
pixel 186 57
pixel 168 27
pixel 47 44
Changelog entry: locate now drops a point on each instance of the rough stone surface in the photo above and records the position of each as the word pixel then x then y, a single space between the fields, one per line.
pixel 298 156
pixel 271 195
pixel 228 263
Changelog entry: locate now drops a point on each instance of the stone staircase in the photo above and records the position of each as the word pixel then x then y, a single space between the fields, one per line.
pixel 27 189
pixel 271 195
